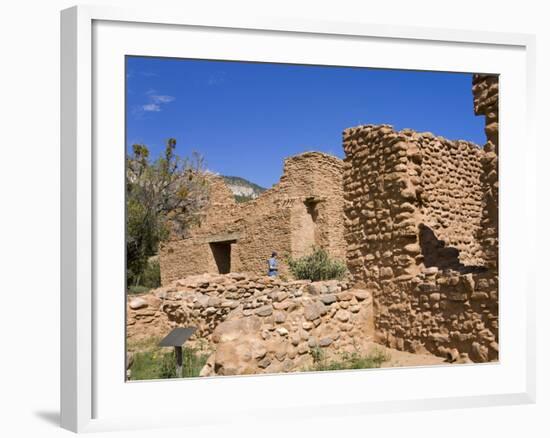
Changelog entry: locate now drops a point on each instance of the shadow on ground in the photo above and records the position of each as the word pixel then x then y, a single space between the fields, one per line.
pixel 51 417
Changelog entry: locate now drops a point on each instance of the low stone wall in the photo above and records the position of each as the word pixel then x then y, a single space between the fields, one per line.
pixel 257 324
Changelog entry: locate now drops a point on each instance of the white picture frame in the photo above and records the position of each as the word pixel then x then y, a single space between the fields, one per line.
pixel 92 388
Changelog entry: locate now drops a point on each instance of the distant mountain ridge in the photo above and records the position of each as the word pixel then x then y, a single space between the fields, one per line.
pixel 243 189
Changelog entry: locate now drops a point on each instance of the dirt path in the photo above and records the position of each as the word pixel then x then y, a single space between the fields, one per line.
pixel 404 359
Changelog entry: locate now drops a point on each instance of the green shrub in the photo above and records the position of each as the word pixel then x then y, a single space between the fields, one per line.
pixel 348 361
pixel 149 278
pixel 242 198
pixel 151 275
pixel 317 266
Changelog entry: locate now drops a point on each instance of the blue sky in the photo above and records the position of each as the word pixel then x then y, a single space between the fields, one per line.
pixel 245 118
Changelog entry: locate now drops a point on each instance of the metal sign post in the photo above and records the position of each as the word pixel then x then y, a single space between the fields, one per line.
pixel 176 338
pixel 179 361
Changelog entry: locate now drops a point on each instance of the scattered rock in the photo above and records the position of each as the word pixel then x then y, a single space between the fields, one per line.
pixel 138 303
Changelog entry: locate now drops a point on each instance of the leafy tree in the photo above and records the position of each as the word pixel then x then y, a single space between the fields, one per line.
pixel 162 197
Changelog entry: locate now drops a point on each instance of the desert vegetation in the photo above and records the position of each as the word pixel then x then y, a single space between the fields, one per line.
pixel 347 361
pixel 317 266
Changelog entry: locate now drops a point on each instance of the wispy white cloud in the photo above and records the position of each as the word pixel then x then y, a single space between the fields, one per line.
pixel 161 99
pixel 153 107
pixel 154 103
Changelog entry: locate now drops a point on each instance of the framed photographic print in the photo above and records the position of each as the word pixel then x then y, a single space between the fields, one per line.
pixel 273 207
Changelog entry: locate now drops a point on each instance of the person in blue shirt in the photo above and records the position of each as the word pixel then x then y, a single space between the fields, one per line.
pixel 272 265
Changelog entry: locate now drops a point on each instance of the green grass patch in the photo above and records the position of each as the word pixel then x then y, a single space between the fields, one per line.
pixel 144 344
pixel 161 364
pixel 347 361
pixel 133 290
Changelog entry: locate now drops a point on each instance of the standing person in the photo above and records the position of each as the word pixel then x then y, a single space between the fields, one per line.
pixel 272 265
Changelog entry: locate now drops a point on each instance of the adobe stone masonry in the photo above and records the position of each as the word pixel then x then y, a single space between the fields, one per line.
pixel 256 324
pixel 421 233
pixel 414 215
pixel 405 192
pixel 485 90
pixel 304 209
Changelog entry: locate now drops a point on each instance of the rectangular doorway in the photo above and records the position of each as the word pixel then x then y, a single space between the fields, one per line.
pixel 222 256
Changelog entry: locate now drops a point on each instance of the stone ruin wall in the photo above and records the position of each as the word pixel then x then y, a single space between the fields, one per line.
pixel 449 191
pixel 398 183
pixel 312 187
pixel 257 324
pixel 182 257
pixel 485 90
pixel 421 234
pixel 304 208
